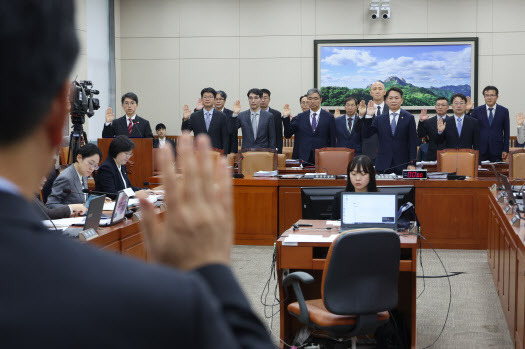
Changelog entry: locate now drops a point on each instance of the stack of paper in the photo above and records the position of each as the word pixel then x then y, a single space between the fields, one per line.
pixel 294 239
pixel 65 222
pixel 437 175
pixel 265 173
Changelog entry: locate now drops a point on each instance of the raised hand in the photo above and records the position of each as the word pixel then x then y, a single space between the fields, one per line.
pixel 186 112
pixel 423 116
pixel 362 108
pixel 287 112
pixel 110 116
pixel 236 107
pixel 371 109
pixel 337 113
pixel 520 118
pixel 184 239
pixel 199 104
pixel 469 106
pixel 441 125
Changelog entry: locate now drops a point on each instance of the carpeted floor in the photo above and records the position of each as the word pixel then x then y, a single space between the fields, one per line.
pixel 476 319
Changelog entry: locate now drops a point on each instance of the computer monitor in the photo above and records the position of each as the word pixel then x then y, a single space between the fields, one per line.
pixel 508 189
pixel 404 193
pixel 368 210
pixel 318 202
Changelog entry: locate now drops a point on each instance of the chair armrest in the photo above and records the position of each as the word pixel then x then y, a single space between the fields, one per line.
pixel 294 279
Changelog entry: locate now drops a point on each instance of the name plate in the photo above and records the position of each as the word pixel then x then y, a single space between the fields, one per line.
pixel 137 216
pixel 507 209
pixel 494 188
pixel 87 235
pixel 500 197
pixel 515 221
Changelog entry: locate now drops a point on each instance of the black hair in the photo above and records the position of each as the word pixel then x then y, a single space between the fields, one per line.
pixel 222 93
pixel 210 90
pixel 120 144
pixel 40 47
pixel 265 90
pixel 491 88
pixel 442 99
pixel 129 95
pixel 160 126
pixel 362 163
pixel 351 98
pixel 300 98
pixel 396 89
pixel 89 149
pixel 255 91
pixel 458 95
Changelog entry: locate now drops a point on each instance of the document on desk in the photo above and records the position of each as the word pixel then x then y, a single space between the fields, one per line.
pixel 294 239
pixel 151 198
pixel 65 222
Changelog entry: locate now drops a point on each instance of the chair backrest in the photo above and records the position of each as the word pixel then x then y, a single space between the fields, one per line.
pixel 254 160
pixel 465 161
pixel 232 159
pixel 64 151
pixel 334 160
pixel 361 272
pixel 288 151
pixel 517 163
pixel 281 162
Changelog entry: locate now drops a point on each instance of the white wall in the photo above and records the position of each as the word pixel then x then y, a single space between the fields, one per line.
pixel 169 50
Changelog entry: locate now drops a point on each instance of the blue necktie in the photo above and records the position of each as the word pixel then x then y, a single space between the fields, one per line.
pixel 314 122
pixel 491 117
pixel 393 123
pixel 459 126
pixel 208 120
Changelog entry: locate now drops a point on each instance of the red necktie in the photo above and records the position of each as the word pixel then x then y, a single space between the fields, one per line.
pixel 130 126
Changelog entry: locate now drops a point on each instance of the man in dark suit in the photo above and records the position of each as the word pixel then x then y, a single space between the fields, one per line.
pixel 427 127
pixel 396 132
pixel 220 100
pixel 257 125
pixel 459 131
pixel 208 120
pixel 313 129
pixel 494 127
pixel 189 298
pixel 370 145
pixel 161 140
pixel 131 124
pixel 277 118
pixel 345 130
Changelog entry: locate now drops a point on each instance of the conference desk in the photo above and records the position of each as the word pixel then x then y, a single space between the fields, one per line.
pixel 310 257
pixel 451 213
pixel 506 259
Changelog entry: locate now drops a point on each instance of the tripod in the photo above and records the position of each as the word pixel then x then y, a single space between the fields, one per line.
pixel 75 139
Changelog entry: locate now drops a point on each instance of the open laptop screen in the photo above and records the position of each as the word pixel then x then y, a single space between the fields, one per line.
pixel 368 210
pixel 121 203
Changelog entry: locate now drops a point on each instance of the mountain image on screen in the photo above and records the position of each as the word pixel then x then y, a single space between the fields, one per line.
pixel 412 95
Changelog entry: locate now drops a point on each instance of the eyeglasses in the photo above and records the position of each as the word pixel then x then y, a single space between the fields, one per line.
pixel 491 95
pixel 441 105
pixel 208 97
pixel 458 103
pixel 93 165
pixel 129 103
pixel 220 99
pixel 313 98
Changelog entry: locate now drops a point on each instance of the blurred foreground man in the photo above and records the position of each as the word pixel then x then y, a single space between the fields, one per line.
pixel 59 293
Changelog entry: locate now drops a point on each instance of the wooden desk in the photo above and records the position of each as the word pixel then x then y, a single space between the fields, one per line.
pixel 506 258
pixel 310 257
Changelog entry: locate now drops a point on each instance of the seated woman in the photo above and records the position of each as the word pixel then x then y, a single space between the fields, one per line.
pixel 67 188
pixel 112 176
pixel 361 179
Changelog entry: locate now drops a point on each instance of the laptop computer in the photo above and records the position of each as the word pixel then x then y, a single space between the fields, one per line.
pixel 513 199
pixel 119 211
pixel 92 217
pixel 368 210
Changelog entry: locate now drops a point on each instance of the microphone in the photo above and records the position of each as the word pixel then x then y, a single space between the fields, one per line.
pixel 309 163
pixel 138 128
pixel 238 174
pixel 48 218
pixel 406 163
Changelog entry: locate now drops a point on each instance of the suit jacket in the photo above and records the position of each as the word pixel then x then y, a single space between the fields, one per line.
pixel 67 180
pixel 108 178
pixel 218 132
pixel 494 139
pixel 232 122
pixel 58 212
pixel 370 145
pixel 428 128
pixel 347 139
pixel 397 150
pixel 469 134
pixel 48 298
pixel 265 137
pixel 170 141
pixel 141 128
pixel 278 129
pixel 307 141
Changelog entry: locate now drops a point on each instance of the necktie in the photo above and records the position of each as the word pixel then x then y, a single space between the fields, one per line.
pixel 393 123
pixel 208 120
pixel 130 126
pixel 378 110
pixel 459 126
pixel 314 122
pixel 254 124
pixel 350 125
pixel 491 116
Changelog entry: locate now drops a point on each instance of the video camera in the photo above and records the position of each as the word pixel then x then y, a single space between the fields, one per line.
pixel 82 101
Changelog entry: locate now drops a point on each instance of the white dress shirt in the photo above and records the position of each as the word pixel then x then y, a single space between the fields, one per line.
pixel 397 116
pixel 119 168
pixel 127 120
pixel 382 105
pixel 162 142
pixel 493 111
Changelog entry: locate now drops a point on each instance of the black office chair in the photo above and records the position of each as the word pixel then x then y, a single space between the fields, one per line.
pixel 359 285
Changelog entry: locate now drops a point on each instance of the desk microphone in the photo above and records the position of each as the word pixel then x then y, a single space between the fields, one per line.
pixel 138 128
pixel 238 174
pixel 406 163
pixel 309 163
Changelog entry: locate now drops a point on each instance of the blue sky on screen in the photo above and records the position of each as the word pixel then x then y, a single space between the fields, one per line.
pixel 420 65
